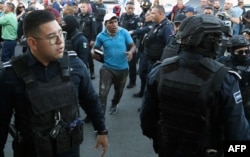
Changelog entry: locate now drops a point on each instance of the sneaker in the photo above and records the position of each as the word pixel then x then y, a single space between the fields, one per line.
pixel 92 75
pixel 113 109
pixel 87 119
pixel 138 95
pixel 130 85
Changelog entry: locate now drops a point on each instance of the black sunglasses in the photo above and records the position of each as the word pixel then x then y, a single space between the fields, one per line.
pixel 21 7
pixel 241 52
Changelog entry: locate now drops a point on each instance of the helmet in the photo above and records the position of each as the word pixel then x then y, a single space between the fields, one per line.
pixel 145 4
pixel 238 41
pixel 193 29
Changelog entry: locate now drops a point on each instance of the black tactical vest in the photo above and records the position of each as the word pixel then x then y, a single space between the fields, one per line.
pixel 154 49
pixel 172 49
pixel 129 22
pixel 99 10
pixel 187 105
pixel 69 42
pixel 85 25
pixel 54 110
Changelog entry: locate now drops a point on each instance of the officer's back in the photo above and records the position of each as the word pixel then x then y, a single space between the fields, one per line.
pixel 192 104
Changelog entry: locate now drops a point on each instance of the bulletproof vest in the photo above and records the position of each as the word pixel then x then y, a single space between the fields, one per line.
pixel 129 22
pixel 171 49
pixel 85 25
pixel 69 42
pixel 53 109
pixel 154 49
pixel 141 37
pixel 100 11
pixel 187 105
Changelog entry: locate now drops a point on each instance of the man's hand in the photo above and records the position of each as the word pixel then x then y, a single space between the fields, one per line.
pixel 129 55
pixel 102 140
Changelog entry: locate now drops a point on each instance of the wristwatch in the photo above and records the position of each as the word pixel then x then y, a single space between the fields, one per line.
pixel 103 132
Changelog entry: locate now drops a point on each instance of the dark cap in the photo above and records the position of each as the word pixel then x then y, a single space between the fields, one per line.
pixel 189 9
pixel 179 18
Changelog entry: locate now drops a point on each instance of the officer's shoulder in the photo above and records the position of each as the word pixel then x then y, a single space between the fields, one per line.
pixel 73 58
pixel 71 54
pixel 170 60
pixel 5 65
pixel 235 74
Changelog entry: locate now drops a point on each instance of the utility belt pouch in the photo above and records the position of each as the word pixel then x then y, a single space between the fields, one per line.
pixel 43 144
pixel 77 136
pixel 68 138
pixel 63 140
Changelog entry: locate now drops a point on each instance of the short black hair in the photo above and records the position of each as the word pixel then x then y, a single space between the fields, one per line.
pixel 130 3
pixel 34 19
pixel 11 5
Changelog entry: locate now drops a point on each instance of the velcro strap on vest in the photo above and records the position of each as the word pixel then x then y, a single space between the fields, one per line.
pixel 23 72
pixel 64 65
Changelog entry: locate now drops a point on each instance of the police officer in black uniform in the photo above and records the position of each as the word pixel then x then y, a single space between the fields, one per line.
pixel 75 40
pixel 145 5
pixel 87 25
pixel 143 64
pixel 44 88
pixel 239 61
pixel 173 46
pixel 192 104
pixel 130 21
pixel 98 8
pixel 159 36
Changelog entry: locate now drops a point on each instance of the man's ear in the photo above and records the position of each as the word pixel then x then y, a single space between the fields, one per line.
pixel 32 43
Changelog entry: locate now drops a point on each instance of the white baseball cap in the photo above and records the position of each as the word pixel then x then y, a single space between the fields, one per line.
pixel 109 16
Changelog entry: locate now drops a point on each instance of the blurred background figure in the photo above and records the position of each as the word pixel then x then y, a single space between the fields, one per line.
pixel 177 9
pixel 189 11
pixel 201 7
pixel 208 10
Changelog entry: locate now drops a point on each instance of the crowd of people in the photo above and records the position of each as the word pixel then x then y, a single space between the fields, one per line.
pixel 193 67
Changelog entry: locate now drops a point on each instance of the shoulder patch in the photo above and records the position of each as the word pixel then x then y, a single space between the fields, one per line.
pixel 235 74
pixel 85 45
pixel 237 97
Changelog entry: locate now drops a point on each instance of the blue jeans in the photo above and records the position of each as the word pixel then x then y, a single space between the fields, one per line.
pixel 236 29
pixel 8 50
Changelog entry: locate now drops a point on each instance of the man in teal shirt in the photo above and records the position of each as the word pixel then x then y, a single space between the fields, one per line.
pixel 9 32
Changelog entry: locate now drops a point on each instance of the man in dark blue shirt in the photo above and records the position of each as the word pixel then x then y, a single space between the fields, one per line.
pixel 60 135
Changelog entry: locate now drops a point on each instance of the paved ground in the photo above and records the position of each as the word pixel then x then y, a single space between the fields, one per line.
pixel 125 137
